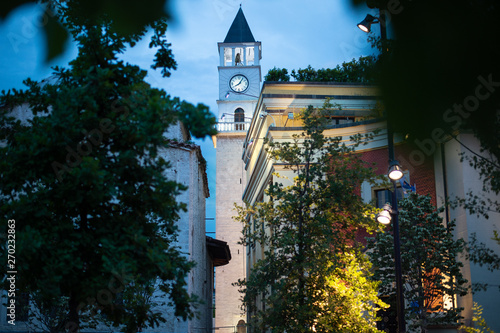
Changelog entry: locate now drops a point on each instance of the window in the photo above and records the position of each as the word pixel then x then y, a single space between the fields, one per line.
pixel 228 56
pixel 239 115
pixel 241 326
pixel 384 196
pixel 341 120
pixel 250 56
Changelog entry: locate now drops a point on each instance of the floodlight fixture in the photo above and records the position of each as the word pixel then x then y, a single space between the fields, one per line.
pixel 384 216
pixel 395 172
pixel 366 24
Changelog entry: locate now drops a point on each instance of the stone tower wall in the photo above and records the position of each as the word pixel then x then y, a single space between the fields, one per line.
pixel 231 182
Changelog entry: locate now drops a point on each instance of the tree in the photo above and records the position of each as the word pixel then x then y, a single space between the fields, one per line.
pixel 363 70
pixel 313 275
pixel 277 74
pixel 138 303
pixel 52 316
pixel 479 253
pixel 82 176
pixel 480 325
pixel 431 270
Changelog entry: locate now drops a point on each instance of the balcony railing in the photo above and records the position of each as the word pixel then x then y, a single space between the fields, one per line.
pixel 231 126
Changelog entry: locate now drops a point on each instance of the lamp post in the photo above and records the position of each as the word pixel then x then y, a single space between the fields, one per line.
pixel 395 173
pixel 390 212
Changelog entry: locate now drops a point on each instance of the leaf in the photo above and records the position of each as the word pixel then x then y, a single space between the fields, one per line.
pixel 56 37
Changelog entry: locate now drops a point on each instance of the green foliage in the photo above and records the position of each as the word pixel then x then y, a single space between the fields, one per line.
pixel 277 74
pixel 479 253
pixel 363 70
pixel 48 316
pixel 481 203
pixel 52 315
pixel 431 270
pixel 139 304
pixel 84 178
pixel 313 275
pixel 479 324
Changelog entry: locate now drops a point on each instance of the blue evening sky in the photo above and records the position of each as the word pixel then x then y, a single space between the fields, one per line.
pixel 294 34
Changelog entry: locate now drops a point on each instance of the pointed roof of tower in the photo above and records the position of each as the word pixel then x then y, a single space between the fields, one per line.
pixel 239 32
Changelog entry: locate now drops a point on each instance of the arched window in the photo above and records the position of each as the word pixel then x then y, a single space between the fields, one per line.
pixel 241 326
pixel 239 115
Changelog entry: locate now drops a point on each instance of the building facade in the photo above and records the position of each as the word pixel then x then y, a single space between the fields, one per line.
pixel 189 169
pixel 440 174
pixel 239 84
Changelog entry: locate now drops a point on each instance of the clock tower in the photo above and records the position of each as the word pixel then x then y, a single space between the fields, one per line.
pixel 239 87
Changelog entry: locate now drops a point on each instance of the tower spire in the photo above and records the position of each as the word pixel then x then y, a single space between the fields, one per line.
pixel 239 32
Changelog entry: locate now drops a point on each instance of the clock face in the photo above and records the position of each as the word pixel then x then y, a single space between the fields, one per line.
pixel 238 83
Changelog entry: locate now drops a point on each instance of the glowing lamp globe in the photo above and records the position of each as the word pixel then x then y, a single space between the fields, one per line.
pixel 395 171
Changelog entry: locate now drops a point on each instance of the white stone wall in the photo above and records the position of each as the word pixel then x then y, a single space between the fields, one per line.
pixel 198 284
pixel 186 170
pixel 462 178
pixel 228 107
pixel 230 184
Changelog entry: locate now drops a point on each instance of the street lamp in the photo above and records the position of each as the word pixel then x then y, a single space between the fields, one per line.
pixel 384 216
pixel 366 24
pixel 390 213
pixel 395 173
